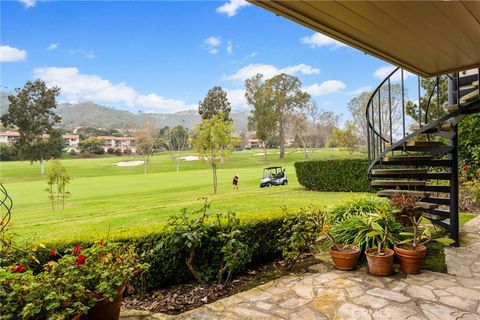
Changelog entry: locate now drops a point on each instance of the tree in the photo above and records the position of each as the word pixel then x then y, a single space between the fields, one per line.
pixel 215 103
pixel 287 95
pixel 358 107
pixel 213 140
pixel 300 129
pixel 146 139
pixel 57 180
pixel 428 84
pixel 177 141
pixel 32 112
pixel 325 123
pixel 346 138
pixel 91 145
pixel 263 119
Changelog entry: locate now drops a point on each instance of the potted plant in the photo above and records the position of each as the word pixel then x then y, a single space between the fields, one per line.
pixel 80 282
pixel 104 270
pixel 344 256
pixel 376 231
pixel 407 207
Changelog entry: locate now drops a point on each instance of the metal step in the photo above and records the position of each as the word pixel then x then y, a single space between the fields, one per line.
pixel 397 183
pixel 436 200
pixel 444 224
pixel 475 84
pixel 428 162
pixel 444 214
pixel 425 148
pixel 420 143
pixel 444 126
pixel 393 192
pixel 426 205
pixel 421 174
pixel 407 158
pixel 469 96
pixel 402 188
pixel 378 172
pixel 432 217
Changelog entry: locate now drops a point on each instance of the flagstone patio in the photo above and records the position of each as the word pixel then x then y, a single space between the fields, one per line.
pixel 326 293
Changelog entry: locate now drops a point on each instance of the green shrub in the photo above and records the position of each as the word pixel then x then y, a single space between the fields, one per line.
pixel 300 234
pixel 350 217
pixel 358 206
pixel 167 266
pixel 333 175
pixel 7 153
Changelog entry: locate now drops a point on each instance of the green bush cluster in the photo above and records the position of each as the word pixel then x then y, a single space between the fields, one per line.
pixel 167 266
pixel 333 175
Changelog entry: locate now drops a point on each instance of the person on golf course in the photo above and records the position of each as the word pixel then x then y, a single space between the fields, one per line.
pixel 235 181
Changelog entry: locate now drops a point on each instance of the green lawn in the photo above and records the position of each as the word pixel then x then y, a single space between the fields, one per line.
pixel 112 200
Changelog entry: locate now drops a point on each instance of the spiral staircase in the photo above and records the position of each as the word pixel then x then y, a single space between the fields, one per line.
pixel 420 159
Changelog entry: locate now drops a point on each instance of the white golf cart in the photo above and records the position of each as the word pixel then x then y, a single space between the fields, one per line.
pixel 273 176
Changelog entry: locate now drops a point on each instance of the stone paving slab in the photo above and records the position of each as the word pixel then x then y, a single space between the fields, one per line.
pixel 327 293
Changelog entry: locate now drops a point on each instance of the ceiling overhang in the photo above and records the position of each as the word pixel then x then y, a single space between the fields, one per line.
pixel 427 38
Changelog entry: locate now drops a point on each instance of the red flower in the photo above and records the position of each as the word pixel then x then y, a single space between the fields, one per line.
pixel 52 252
pixel 81 259
pixel 76 250
pixel 466 167
pixel 20 268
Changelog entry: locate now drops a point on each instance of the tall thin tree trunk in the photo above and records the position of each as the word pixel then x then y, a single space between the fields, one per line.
pixel 42 167
pixel 281 137
pixel 145 164
pixel 214 172
pixel 178 165
pixel 265 152
pixel 304 147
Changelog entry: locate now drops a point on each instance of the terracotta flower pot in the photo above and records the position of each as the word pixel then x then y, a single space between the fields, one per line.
pixel 345 259
pixel 380 265
pixel 410 260
pixel 106 310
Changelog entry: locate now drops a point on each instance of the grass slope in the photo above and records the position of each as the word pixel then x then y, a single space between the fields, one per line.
pixel 110 200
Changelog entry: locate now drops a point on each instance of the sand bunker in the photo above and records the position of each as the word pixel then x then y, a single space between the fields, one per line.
pixel 128 163
pixel 189 158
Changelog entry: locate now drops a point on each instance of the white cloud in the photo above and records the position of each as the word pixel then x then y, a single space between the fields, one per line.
pixel 232 7
pixel 382 72
pixel 237 98
pixel 326 87
pixel 11 54
pixel 269 71
pixel 317 40
pixel 53 46
pixel 87 54
pixel 212 43
pixel 251 55
pixel 28 3
pixel 76 86
pixel 361 90
pixel 229 47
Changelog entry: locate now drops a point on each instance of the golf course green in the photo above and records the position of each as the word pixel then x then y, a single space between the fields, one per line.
pixel 109 201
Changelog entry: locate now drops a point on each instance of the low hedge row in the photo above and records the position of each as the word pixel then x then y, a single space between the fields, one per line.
pixel 333 175
pixel 167 265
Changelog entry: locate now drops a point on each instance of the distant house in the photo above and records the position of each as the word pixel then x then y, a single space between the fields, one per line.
pixel 71 140
pixel 118 142
pixel 253 143
pixel 9 137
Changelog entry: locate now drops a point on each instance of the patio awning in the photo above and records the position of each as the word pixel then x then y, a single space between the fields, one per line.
pixel 425 37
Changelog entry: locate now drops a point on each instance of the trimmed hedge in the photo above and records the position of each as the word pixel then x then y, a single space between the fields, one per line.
pixel 334 175
pixel 167 265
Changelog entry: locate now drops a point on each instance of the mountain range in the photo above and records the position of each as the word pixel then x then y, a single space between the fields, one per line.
pixel 98 116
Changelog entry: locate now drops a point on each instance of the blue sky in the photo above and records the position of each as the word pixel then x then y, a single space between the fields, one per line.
pixel 163 56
